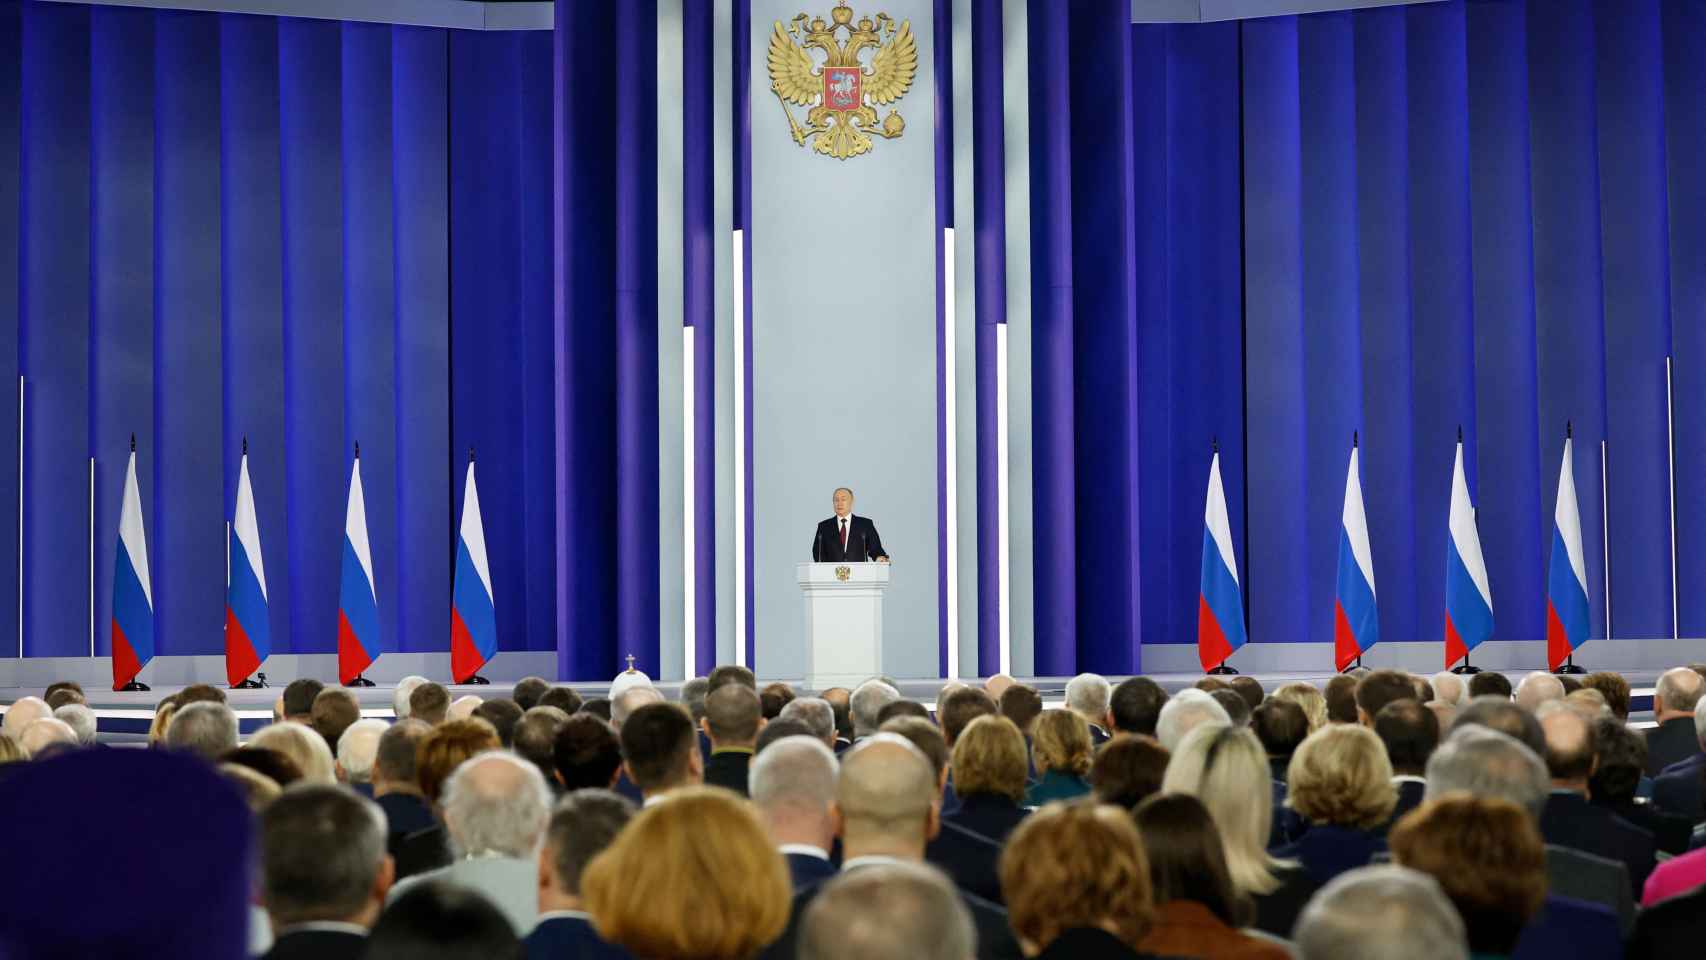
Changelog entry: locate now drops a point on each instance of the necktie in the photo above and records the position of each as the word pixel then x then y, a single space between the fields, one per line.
pixel 843 534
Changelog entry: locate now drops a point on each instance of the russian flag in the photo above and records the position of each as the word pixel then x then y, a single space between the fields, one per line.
pixel 359 642
pixel 248 635
pixel 1356 621
pixel 1566 580
pixel 473 621
pixel 1220 604
pixel 1468 599
pixel 133 596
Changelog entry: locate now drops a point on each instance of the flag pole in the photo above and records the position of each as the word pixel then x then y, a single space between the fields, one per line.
pixel 359 680
pixel 1464 668
pixel 473 679
pixel 1569 664
pixel 1220 669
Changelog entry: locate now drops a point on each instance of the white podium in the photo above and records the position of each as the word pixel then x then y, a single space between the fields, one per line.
pixel 844 622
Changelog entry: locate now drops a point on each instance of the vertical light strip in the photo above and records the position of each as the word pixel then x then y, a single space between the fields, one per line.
pixel 739 261
pixel 1004 536
pixel 1018 607
pixel 1670 454
pixel 91 556
pixel 950 454
pixel 689 569
pixel 1605 536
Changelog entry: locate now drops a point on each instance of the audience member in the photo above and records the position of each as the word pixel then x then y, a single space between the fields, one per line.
pixel 659 750
pixel 959 708
pixel 204 728
pixel 888 910
pixel 1128 770
pixel 46 737
pixel 1672 928
pixel 1022 704
pixel 1621 756
pixel 1379 688
pixel 1198 908
pixel 623 705
pixel 54 688
pixel 396 781
pixel 535 740
pixel 1341 699
pixel 10 750
pixel 1497 713
pixel 1225 768
pixel 303 746
pixel 1087 695
pixel 1281 726
pixel 324 872
pixel 1187 710
pixel 1588 702
pixel 272 764
pixel 1381 913
pixel 1489 683
pixel 1537 688
pixel 527 692
pixel 1237 711
pixel 1677 787
pixel 1569 820
pixel 691 877
pixel 733 717
pixel 446 747
pixel 598 707
pixel 24 712
pixel 79 718
pixel 463 707
pixel 866 703
pixel 1077 883
pixel 776 730
pixel 793 789
pixel 988 770
pixel 561 697
pixel 902 708
pixel 840 700
pixel 162 719
pixel 495 808
pixel 1341 783
pixel 1210 684
pixel 816 714
pixel 773 698
pixel 1250 689
pixel 299 696
pixel 358 748
pixel 437 921
pixel 586 754
pixel 59 696
pixel 258 791
pixel 970 859
pixel 1570 683
pixel 582 825
pixel 400 696
pixel 997 685
pixel 430 702
pixel 1449 688
pixel 1674 739
pixel 200 693
pixel 1613 688
pixel 693 694
pixel 1133 706
pixel 1410 733
pixel 1309 698
pixel 333 712
pixel 1445 714
pixel 503 715
pixel 1061 750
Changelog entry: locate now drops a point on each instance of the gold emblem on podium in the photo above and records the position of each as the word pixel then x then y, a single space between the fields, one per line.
pixel 843 573
pixel 842 92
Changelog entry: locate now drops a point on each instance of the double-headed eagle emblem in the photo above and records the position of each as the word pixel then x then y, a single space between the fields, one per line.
pixel 842 91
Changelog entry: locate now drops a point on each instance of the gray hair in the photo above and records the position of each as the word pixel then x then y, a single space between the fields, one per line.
pixel 814 712
pixel 322 848
pixel 1087 694
pixel 1700 720
pixel 496 811
pixel 1678 690
pixel 1537 688
pixel 1381 913
pixel 20 714
pixel 358 748
pixel 44 732
pixel 1486 763
pixel 400 696
pixel 1185 711
pixel 796 772
pixel 891 910
pixel 868 701
pixel 630 700
pixel 394 758
pixel 80 718
pixel 1449 687
pixel 693 694
pixel 204 728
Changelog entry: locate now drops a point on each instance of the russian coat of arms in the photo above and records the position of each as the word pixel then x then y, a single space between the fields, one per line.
pixel 844 88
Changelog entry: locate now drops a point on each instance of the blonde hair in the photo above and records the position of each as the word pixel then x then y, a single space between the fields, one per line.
pixel 989 757
pixel 11 751
pixel 1341 775
pixel 301 744
pixel 162 720
pixel 1060 740
pixel 1310 699
pixel 693 877
pixel 1075 865
pixel 258 788
pixel 1226 768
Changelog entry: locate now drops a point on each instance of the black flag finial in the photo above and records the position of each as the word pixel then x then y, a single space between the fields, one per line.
pixel 1460 433
pixel 245 445
pixel 470 454
pixel 358 449
pixel 1569 429
pixel 1353 439
pixel 1216 442
pixel 133 441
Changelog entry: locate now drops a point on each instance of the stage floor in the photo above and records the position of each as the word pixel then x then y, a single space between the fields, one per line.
pixel 125 717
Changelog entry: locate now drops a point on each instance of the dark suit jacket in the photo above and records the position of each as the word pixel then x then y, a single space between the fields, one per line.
pixel 987 814
pixel 1409 798
pixel 317 945
pixel 422 850
pixel 727 769
pixel 570 938
pixel 405 813
pixel 1570 928
pixel 805 870
pixel 862 541
pixel 626 788
pixel 969 859
pixel 1577 875
pixel 1671 832
pixel 1326 850
pixel 1673 928
pixel 1277 912
pixel 1098 736
pixel 1571 821
pixel 1677 788
pixel 995 939
pixel 1088 943
pixel 1670 742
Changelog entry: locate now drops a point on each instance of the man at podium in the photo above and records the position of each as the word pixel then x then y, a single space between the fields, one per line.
pixel 845 538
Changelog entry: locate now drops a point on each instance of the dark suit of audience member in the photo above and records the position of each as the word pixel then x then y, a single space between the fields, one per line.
pixel 1088 943
pixel 969 859
pixel 1571 821
pixel 569 935
pixel 1615 782
pixel 1679 788
pixel 1671 832
pixel 422 851
pixel 727 768
pixel 1277 911
pixel 1672 928
pixel 1327 850
pixel 405 813
pixel 989 815
pixel 319 942
pixel 1410 793
pixel 1670 742
pixel 1570 928
pixel 626 788
pixel 807 869
pixel 733 717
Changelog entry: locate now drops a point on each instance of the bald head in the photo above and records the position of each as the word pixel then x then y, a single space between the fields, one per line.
pixel 1448 687
pixel 463 707
pixel 496 803
pixel 733 714
pixel 45 732
pixel 1569 746
pixel 1675 695
pixel 997 685
pixel 886 794
pixel 21 714
pixel 631 699
pixel 1539 687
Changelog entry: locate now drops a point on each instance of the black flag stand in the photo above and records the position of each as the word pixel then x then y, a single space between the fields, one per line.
pixel 473 679
pixel 1353 665
pixel 1464 667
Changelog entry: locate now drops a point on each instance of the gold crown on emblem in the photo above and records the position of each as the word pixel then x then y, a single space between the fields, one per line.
pixel 843 90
